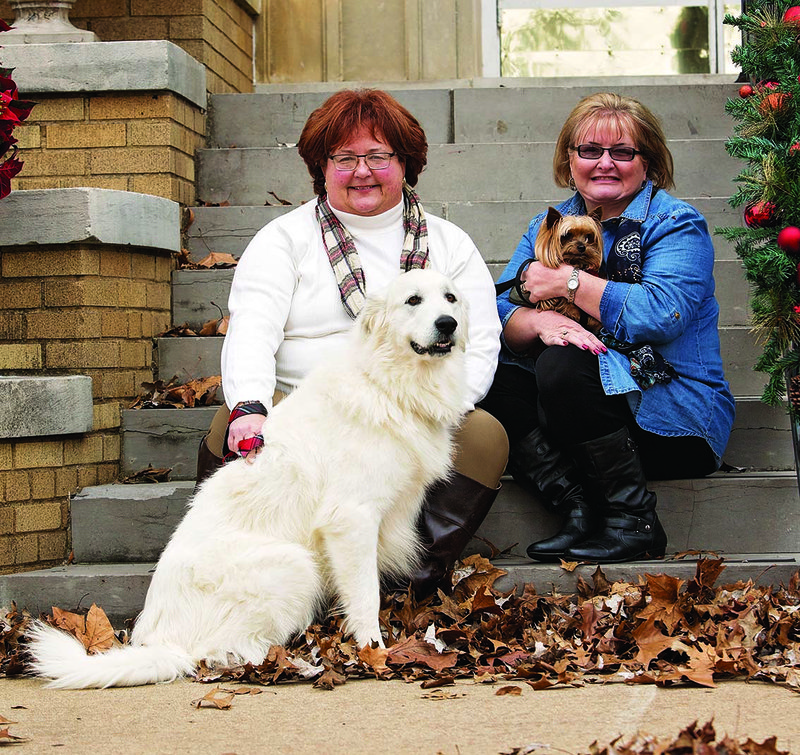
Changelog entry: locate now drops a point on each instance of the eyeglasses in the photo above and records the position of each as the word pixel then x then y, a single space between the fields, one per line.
pixel 374 160
pixel 595 152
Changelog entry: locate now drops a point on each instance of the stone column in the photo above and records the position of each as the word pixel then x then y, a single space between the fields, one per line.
pixel 44 22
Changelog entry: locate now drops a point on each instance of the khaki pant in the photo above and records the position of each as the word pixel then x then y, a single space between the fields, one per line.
pixel 481 444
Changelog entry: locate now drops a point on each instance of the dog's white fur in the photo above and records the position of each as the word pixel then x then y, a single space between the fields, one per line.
pixel 328 506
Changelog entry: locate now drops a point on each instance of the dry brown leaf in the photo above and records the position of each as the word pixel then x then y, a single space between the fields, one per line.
pixel 70 622
pixel 6 738
pixel 375 658
pixel 148 475
pixel 569 566
pixel 509 689
pixel 218 698
pixel 99 634
pixel 218 260
pixel 443 694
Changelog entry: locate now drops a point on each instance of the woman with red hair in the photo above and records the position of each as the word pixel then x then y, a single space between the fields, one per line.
pixel 303 278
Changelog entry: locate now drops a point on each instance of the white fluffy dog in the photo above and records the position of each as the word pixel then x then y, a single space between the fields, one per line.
pixel 328 506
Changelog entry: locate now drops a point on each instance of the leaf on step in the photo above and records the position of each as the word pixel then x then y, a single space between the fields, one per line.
pixel 172 395
pixel 177 331
pixel 509 689
pixel 280 201
pixel 216 327
pixel 218 260
pixel 569 566
pixel 148 475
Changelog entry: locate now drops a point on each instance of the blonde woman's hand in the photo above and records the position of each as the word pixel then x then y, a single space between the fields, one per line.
pixel 555 329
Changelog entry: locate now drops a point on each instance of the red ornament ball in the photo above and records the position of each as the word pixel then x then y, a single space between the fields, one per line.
pixel 745 90
pixel 789 239
pixel 794 149
pixel 760 215
pixel 792 15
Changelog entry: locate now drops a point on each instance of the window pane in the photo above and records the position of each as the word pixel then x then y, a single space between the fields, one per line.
pixel 619 41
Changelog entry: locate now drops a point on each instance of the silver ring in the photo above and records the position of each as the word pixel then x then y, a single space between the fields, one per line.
pixel 563 332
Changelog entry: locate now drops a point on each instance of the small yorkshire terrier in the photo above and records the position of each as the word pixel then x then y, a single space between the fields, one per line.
pixel 575 240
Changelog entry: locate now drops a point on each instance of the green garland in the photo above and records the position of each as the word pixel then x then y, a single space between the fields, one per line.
pixel 767 138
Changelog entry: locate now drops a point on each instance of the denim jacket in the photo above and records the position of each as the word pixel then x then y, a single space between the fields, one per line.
pixel 673 309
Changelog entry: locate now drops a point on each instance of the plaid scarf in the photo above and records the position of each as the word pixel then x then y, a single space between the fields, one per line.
pixel 624 263
pixel 343 256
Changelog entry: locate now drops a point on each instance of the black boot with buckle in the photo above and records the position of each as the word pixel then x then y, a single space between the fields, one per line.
pixel 539 467
pixel 631 529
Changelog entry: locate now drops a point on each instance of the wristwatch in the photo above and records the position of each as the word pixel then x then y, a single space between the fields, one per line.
pixel 572 285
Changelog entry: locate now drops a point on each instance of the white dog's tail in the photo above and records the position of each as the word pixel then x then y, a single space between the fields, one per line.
pixel 59 656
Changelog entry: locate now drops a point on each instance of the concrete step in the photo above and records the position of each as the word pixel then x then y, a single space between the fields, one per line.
pixel 761 438
pixel 481 110
pixel 190 357
pixel 495 226
pixel 466 172
pixel 725 513
pixel 120 589
pixel 196 292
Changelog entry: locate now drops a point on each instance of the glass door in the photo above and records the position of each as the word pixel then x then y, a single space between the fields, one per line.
pixel 544 38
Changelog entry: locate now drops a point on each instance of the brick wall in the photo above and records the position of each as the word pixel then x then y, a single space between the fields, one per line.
pixel 131 142
pixel 217 33
pixel 72 309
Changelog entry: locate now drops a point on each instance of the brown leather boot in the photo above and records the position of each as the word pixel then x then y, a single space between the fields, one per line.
pixel 207 463
pixel 452 512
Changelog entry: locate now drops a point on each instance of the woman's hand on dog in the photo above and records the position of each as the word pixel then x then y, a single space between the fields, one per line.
pixel 244 427
pixel 543 282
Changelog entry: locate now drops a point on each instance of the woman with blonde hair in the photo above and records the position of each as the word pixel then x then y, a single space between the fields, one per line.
pixel 592 416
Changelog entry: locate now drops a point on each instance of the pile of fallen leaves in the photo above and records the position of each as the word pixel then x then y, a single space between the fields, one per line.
pixel 660 630
pixel 175 395
pixel 694 739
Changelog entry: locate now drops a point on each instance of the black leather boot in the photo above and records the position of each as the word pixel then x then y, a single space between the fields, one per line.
pixel 631 529
pixel 207 463
pixel 539 467
pixel 452 512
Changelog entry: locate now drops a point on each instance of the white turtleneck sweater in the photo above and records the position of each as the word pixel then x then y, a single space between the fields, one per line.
pixel 286 313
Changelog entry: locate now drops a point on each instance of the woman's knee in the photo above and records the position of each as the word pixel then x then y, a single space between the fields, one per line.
pixel 481 448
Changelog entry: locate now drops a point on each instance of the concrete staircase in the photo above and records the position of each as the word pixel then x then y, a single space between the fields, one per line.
pixel 489 171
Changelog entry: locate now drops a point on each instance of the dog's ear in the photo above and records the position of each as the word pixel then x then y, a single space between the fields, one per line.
pixel 372 314
pixel 553 216
pixel 597 214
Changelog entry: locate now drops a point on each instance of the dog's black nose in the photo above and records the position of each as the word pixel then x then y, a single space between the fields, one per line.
pixel 446 324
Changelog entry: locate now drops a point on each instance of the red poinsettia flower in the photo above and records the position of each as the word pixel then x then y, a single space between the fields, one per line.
pixel 11 108
pixel 4 26
pixel 8 170
pixel 796 309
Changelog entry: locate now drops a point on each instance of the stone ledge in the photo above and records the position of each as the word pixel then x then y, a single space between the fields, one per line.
pixel 37 406
pixel 92 67
pixel 89 215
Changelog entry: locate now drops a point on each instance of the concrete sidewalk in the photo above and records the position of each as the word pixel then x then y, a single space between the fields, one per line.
pixel 369 716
